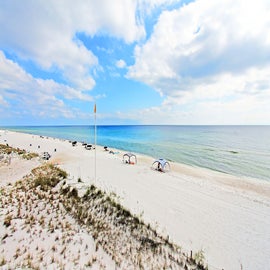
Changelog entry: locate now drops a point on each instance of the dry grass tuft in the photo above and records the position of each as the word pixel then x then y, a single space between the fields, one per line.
pixel 47 176
pixel 123 235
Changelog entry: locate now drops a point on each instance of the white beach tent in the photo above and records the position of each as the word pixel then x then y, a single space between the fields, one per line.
pixel 129 158
pixel 161 165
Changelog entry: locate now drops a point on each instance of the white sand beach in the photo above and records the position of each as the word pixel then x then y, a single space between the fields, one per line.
pixel 227 217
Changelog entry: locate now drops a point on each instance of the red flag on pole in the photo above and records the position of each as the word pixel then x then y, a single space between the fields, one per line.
pixel 95 108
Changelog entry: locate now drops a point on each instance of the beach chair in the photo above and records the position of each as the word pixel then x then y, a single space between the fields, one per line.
pixel 88 147
pixel 74 143
pixel 45 156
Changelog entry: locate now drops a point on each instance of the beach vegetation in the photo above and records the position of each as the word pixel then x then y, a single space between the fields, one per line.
pixel 199 257
pixel 73 193
pixel 65 189
pixel 7 220
pixel 61 173
pixel 3 261
pixel 20 151
pixel 29 156
pixel 52 259
pixel 47 176
pixel 6 149
pixel 115 229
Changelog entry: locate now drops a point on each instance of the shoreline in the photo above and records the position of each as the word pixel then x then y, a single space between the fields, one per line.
pixel 226 153
pixel 227 179
pixel 146 156
pixel 198 208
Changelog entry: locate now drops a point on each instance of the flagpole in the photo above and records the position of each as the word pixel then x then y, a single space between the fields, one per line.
pixel 95 112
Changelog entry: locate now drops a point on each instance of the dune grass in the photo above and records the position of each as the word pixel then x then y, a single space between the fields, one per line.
pixel 43 199
pixel 6 149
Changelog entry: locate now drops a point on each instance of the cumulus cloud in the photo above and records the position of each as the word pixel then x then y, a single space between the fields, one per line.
pixel 211 58
pixel 34 95
pixel 203 39
pixel 219 99
pixel 45 33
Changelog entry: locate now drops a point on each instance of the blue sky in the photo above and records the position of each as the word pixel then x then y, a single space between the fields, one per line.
pixel 141 62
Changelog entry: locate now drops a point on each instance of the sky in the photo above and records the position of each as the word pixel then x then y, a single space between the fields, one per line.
pixel 201 62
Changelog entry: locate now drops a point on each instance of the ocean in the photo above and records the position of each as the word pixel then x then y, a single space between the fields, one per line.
pixel 236 150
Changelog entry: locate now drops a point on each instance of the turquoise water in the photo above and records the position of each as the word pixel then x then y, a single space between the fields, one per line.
pixel 237 150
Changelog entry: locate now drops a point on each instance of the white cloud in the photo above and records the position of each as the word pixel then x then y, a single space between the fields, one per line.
pixel 206 58
pixel 223 99
pixel 3 102
pixel 121 63
pixel 45 32
pixel 202 39
pixel 146 7
pixel 210 57
pixel 34 95
pixel 244 110
pixel 12 76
